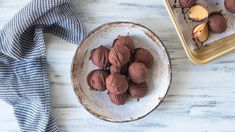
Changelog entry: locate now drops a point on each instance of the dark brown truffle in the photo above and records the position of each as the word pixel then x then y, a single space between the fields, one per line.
pixel 119 55
pixel 217 22
pixel 125 41
pixel 99 56
pixel 138 90
pixel 96 80
pixel 143 56
pixel 230 5
pixel 114 69
pixel 117 83
pixel 138 72
pixel 122 70
pixel 118 99
pixel 186 3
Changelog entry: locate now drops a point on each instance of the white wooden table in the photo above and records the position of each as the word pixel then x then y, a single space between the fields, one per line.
pixel 201 98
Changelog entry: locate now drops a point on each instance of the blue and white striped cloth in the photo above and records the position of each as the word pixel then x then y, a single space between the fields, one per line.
pixel 23 72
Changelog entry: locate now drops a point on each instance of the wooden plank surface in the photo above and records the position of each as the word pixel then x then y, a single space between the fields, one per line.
pixel 201 98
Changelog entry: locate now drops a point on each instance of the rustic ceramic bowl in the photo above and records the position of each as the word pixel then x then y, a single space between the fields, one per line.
pixel 98 103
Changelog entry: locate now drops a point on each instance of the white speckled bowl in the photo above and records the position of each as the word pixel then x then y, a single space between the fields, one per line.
pixel 98 103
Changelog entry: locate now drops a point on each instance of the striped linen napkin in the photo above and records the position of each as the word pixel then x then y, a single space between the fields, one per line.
pixel 23 72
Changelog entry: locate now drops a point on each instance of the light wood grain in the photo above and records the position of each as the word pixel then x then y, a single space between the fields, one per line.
pixel 201 98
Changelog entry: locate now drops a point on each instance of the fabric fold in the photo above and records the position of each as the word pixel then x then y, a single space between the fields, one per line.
pixel 23 73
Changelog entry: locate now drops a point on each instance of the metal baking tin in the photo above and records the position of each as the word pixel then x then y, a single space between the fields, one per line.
pixel 205 54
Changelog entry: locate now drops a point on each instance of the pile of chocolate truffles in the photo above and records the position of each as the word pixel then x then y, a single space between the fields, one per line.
pixel 123 70
pixel 215 22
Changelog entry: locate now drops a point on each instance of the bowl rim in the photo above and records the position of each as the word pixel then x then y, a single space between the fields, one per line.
pixel 81 44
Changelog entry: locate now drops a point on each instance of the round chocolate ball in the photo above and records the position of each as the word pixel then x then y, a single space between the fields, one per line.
pixel 217 22
pixel 230 5
pixel 143 56
pixel 122 70
pixel 125 41
pixel 186 3
pixel 138 90
pixel 100 57
pixel 118 99
pixel 119 55
pixel 117 83
pixel 114 69
pixel 96 80
pixel 138 72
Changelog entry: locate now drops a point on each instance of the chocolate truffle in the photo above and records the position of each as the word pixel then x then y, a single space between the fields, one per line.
pixel 230 5
pixel 138 90
pixel 117 83
pixel 138 72
pixel 200 32
pixel 114 69
pixel 186 3
pixel 118 99
pixel 122 70
pixel 119 55
pixel 217 22
pixel 143 56
pixel 125 41
pixel 198 13
pixel 100 57
pixel 96 80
